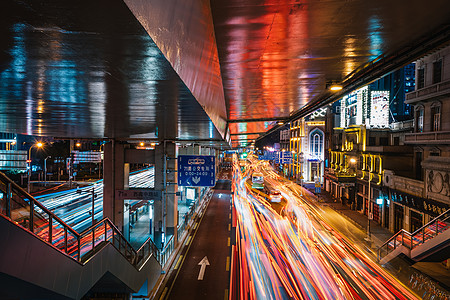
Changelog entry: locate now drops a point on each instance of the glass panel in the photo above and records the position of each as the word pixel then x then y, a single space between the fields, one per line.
pixel 99 233
pixel 20 211
pixel 86 243
pixel 72 245
pixel 40 226
pixel 58 235
pixel 109 233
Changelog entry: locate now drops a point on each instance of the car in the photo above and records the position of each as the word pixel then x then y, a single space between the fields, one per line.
pixel 275 196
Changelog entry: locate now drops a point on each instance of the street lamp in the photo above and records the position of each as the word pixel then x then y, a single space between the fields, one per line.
pixel 301 172
pixel 37 145
pixel 369 202
pixel 45 170
pixel 94 195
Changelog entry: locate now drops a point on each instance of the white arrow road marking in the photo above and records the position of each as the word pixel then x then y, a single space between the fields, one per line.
pixel 203 263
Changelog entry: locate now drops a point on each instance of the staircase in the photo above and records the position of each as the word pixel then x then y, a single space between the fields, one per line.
pixel 39 250
pixel 429 243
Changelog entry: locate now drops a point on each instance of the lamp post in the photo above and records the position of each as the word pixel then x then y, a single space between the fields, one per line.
pixel 45 170
pixel 369 216
pixel 301 173
pixel 94 195
pixel 368 211
pixel 38 145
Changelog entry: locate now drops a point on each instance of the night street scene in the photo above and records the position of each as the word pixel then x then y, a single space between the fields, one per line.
pixel 224 149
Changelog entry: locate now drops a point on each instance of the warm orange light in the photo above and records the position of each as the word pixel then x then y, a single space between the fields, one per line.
pixel 280 122
pixel 141 144
pixel 352 160
pixel 335 87
pixel 78 144
pixel 39 144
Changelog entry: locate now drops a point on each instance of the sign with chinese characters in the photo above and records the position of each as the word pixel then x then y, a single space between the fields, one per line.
pixel 354 107
pixel 428 206
pixel 285 157
pixel 138 194
pixel 87 157
pixel 196 170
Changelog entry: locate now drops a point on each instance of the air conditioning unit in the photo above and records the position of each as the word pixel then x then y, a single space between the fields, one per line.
pixel 388 177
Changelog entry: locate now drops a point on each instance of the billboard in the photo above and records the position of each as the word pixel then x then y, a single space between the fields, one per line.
pixel 354 107
pixel 379 109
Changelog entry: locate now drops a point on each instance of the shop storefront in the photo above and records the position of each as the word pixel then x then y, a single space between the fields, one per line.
pixel 420 210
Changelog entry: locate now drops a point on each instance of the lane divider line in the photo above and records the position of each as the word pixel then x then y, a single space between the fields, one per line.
pixel 188 240
pixel 229 227
pixel 227 268
pixel 178 262
pixel 228 241
pixel 226 295
pixel 164 293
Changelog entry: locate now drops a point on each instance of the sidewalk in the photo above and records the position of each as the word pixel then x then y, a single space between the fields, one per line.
pixel 378 234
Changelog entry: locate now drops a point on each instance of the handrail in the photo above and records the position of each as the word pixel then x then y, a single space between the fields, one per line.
pixel 51 229
pixel 3 177
pixel 418 237
pixel 432 221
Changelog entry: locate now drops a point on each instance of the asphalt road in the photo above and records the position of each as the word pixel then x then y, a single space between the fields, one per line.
pixel 211 240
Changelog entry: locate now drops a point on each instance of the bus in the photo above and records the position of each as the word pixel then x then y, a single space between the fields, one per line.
pixel 257 181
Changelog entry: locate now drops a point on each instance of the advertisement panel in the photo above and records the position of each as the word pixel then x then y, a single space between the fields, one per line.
pixel 379 109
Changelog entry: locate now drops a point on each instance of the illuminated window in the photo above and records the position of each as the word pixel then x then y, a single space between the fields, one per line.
pixel 419 119
pixel 436 116
pixel 316 143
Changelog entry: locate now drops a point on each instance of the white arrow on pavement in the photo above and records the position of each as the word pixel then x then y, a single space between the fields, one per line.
pixel 203 263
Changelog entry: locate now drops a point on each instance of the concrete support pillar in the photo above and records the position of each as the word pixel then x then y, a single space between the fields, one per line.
pixel 115 177
pixel 165 212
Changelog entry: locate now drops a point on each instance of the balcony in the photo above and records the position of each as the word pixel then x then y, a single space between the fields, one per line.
pixel 428 92
pixel 400 126
pixel 434 137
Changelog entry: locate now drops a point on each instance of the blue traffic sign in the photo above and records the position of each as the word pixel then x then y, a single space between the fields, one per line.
pixel 196 170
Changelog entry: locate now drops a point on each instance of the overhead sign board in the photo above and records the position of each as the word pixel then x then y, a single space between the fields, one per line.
pixel 138 194
pixel 196 170
pixel 87 157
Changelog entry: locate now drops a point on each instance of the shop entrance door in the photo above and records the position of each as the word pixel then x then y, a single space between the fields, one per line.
pixel 398 217
pixel 416 220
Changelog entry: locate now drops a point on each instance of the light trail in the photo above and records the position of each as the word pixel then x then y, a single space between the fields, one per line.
pixel 296 254
pixel 75 208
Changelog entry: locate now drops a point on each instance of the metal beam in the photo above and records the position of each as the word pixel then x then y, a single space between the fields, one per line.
pixel 257 120
pixel 248 133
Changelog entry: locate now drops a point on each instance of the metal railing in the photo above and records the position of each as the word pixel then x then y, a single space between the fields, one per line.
pixel 25 211
pixel 411 240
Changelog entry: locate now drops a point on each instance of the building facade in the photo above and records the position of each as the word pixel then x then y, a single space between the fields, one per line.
pixel 307 144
